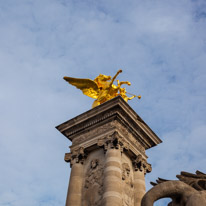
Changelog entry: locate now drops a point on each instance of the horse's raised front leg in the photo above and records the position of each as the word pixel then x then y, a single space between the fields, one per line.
pixel 125 82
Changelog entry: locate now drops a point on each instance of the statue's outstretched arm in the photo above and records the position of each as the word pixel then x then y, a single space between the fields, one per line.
pixel 112 81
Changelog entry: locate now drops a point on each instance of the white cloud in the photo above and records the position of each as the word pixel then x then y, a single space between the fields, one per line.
pixel 161 49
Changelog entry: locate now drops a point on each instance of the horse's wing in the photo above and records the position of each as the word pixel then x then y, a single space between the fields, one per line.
pixel 88 86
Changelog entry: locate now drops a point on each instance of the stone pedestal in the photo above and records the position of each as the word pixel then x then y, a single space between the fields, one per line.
pixel 107 155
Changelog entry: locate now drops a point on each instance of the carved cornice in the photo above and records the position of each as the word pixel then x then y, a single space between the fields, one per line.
pixel 141 164
pixel 89 123
pixel 114 141
pixel 93 133
pixel 114 109
pixel 75 156
pixel 92 137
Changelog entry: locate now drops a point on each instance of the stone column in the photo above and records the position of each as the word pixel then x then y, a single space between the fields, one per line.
pixel 113 147
pixel 141 167
pixel 139 187
pixel 112 178
pixel 76 159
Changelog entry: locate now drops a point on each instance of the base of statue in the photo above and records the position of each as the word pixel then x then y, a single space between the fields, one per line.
pixel 107 155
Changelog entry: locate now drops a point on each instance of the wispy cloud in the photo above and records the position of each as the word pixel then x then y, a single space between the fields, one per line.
pixel 161 47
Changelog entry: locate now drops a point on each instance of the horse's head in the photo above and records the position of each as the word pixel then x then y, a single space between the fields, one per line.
pixel 102 79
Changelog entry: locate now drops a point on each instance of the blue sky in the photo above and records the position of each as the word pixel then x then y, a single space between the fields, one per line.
pixel 161 47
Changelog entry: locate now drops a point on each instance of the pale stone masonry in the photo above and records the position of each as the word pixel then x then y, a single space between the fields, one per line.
pixel 107 155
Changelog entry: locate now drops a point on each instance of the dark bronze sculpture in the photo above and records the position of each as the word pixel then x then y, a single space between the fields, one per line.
pixel 189 190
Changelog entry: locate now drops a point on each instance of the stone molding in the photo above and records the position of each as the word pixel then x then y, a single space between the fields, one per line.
pixel 114 141
pixel 90 138
pixel 93 133
pixel 140 164
pixel 89 123
pixel 75 156
pixel 114 110
pixel 133 142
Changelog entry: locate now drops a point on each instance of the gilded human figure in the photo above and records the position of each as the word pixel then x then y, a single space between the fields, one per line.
pixel 128 187
pixel 93 184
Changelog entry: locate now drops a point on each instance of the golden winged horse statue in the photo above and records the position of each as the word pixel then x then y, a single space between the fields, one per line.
pixel 101 88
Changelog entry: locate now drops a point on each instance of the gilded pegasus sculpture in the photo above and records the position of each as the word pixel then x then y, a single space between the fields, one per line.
pixel 101 88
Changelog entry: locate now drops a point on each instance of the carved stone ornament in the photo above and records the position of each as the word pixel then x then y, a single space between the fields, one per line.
pixel 75 156
pixel 93 188
pixel 128 186
pixel 114 141
pixel 90 134
pixel 141 164
pixel 125 133
pixel 85 125
pixel 189 190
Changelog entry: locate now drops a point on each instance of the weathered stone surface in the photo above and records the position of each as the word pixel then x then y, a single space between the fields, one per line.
pixel 95 121
pixel 128 185
pixel 189 191
pixel 108 148
pixel 93 183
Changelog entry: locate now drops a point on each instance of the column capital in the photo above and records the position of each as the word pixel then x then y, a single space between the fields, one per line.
pixel 141 164
pixel 113 141
pixel 75 156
